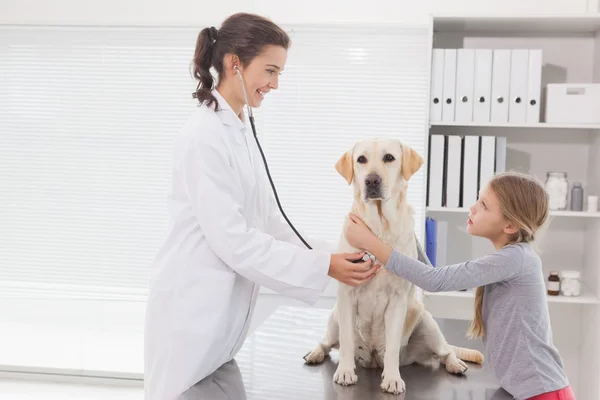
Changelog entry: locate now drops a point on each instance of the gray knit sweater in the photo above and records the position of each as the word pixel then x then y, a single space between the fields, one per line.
pixel 518 343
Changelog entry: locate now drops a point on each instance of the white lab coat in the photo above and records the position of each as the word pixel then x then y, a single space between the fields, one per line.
pixel 226 238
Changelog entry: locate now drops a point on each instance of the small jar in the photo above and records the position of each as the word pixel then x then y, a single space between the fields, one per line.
pixel 570 284
pixel 558 190
pixel 553 284
pixel 592 205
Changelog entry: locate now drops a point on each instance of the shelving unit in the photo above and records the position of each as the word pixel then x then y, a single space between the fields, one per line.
pixel 523 24
pixel 554 213
pixel 586 297
pixel 540 125
pixel 571 54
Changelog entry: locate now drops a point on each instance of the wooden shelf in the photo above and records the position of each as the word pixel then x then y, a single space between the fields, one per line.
pixel 541 125
pixel 571 214
pixel 587 297
pixel 573 24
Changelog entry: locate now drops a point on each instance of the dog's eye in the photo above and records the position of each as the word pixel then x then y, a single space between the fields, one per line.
pixel 388 158
pixel 361 160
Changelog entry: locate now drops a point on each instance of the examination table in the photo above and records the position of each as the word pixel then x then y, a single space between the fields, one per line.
pixel 270 366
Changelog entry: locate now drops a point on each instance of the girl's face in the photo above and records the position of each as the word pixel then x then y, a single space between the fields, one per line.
pixel 486 219
pixel 262 74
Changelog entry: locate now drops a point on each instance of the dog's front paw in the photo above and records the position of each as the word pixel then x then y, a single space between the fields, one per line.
pixel 345 376
pixel 457 366
pixel 316 356
pixel 392 382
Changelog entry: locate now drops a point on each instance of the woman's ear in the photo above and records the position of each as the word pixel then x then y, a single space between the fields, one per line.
pixel 230 61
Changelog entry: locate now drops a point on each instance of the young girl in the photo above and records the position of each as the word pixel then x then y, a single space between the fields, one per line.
pixel 511 310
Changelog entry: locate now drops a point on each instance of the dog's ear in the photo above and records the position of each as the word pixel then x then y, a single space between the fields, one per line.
pixel 411 162
pixel 345 167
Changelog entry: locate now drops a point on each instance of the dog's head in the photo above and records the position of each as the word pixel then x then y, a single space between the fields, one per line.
pixel 379 167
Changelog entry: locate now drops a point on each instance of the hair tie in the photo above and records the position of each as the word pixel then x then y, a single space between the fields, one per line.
pixel 212 34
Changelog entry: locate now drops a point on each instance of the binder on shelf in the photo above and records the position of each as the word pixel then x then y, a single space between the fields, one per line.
pixel 470 170
pixel 500 85
pixel 487 164
pixel 441 245
pixel 436 170
pixel 500 164
pixel 453 167
pixel 449 85
pixel 445 172
pixel 534 86
pixel 519 67
pixel 437 82
pixel 465 68
pixel 430 237
pixel 482 88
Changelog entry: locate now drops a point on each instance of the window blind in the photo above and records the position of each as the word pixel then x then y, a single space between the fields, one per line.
pixel 88 117
pixel 343 84
pixel 87 120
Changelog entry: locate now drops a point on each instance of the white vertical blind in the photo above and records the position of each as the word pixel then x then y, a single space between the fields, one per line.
pixel 87 120
pixel 342 85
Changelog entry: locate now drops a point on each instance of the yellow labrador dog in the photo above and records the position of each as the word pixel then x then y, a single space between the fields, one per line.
pixel 381 323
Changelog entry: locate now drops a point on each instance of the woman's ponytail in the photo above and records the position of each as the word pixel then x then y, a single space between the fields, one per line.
pixel 203 58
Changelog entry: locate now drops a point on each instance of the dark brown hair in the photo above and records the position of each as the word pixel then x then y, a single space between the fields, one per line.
pixel 244 35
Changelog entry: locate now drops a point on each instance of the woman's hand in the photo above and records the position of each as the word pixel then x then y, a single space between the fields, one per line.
pixel 344 270
pixel 358 233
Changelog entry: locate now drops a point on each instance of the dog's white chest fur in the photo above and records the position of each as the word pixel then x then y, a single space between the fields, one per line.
pixel 385 290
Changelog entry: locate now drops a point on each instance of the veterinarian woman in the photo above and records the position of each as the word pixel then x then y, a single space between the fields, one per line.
pixel 511 310
pixel 226 233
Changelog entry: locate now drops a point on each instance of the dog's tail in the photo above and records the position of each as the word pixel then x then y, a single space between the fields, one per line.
pixel 469 355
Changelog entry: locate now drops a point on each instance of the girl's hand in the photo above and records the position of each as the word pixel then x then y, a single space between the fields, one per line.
pixel 358 233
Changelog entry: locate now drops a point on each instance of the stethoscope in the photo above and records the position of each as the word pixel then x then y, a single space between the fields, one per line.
pixel 420 251
pixel 251 118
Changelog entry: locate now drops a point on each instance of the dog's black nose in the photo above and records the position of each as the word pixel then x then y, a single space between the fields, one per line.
pixel 372 180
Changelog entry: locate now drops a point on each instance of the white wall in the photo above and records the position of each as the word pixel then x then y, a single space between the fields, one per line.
pixel 201 12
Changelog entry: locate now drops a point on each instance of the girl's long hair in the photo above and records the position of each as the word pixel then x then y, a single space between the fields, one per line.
pixel 524 202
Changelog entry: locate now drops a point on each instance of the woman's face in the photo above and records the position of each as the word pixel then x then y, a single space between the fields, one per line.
pixel 262 74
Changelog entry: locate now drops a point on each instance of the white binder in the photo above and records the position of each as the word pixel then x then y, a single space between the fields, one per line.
pixel 487 164
pixel 465 68
pixel 441 244
pixel 482 90
pixel 500 85
pixel 534 86
pixel 437 82
pixel 449 86
pixel 470 167
pixel 453 171
pixel 500 165
pixel 519 67
pixel 436 170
